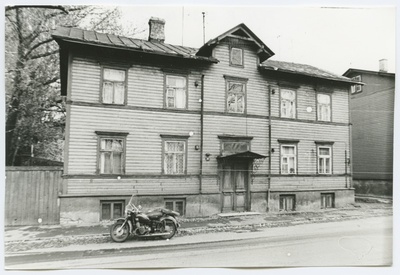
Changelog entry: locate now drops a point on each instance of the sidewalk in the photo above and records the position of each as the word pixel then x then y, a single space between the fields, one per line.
pixel 69 238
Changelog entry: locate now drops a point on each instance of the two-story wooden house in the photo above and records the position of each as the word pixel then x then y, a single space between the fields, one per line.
pixel 203 131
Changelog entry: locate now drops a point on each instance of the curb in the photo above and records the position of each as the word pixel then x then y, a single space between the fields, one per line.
pixel 15 247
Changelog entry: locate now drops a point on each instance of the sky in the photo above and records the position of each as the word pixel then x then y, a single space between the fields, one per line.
pixel 330 38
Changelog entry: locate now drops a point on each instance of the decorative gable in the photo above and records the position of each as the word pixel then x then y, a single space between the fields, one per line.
pixel 241 31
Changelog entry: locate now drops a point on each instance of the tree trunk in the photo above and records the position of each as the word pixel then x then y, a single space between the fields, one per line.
pixel 13 113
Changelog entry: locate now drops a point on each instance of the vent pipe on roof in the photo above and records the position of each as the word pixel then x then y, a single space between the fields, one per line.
pixel 156 30
pixel 383 65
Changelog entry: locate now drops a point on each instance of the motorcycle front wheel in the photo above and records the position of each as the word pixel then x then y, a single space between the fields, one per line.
pixel 119 234
pixel 168 226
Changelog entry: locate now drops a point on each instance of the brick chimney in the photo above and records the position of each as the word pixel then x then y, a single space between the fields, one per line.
pixel 383 66
pixel 156 30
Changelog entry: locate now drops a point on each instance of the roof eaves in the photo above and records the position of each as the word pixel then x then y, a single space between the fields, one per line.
pixel 272 68
pixel 140 49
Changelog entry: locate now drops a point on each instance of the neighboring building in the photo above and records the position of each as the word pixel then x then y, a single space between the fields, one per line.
pixel 203 131
pixel 372 117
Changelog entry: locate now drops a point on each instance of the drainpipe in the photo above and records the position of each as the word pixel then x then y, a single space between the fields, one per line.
pixel 269 147
pixel 201 134
pixel 350 157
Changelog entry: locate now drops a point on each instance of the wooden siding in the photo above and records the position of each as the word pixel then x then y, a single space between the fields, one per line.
pixel 143 143
pixel 215 90
pixel 306 183
pixel 145 86
pixel 145 118
pixel 32 193
pixel 307 134
pixel 306 97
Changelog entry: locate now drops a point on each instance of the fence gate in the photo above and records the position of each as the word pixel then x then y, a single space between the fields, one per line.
pixel 31 195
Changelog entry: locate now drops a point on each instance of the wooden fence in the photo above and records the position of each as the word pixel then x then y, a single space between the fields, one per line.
pixel 31 195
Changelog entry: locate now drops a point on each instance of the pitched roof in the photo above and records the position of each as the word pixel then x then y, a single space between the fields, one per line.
pixel 243 32
pixel 352 70
pixel 76 35
pixel 302 69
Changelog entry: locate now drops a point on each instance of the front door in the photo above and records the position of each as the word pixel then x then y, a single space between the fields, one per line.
pixel 235 187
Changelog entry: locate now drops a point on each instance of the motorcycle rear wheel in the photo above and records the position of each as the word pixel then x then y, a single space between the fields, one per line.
pixel 119 234
pixel 168 227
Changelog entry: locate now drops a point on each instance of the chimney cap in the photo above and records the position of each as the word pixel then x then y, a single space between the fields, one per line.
pixel 159 20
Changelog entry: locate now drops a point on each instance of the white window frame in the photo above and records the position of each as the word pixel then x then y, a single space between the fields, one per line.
pixel 291 104
pixel 174 155
pixel 328 107
pixel 235 95
pixel 114 82
pixel 104 151
pixel 287 157
pixel 170 92
pixel 241 64
pixel 358 87
pixel 324 158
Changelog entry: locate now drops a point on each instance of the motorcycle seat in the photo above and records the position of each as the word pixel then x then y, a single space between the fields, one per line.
pixel 154 215
pixel 169 212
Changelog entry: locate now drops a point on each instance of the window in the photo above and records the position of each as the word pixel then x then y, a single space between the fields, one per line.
pixel 288 103
pixel 175 91
pixel 324 160
pixel 236 56
pixel 288 159
pixel 177 205
pixel 111 152
pixel 327 200
pixel 113 86
pixel 356 88
pixel 287 202
pixel 324 107
pixel 233 147
pixel 174 157
pixel 111 210
pixel 236 93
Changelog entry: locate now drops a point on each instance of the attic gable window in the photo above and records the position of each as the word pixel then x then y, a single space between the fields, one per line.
pixel 113 86
pixel 236 57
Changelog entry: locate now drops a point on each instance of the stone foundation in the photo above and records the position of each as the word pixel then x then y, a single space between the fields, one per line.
pixel 87 210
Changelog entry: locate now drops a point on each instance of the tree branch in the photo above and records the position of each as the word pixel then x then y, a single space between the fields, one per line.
pixel 43 55
pixel 64 10
pixel 37 45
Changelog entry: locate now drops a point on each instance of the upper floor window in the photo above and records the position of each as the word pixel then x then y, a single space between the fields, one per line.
pixel 175 92
pixel 324 107
pixel 235 97
pixel 174 157
pixel 236 56
pixel 288 103
pixel 288 159
pixel 114 86
pixel 324 160
pixel 356 88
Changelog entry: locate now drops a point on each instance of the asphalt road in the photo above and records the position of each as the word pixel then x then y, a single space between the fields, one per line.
pixel 364 242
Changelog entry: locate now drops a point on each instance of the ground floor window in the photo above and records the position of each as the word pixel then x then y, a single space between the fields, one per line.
pixel 111 210
pixel 287 202
pixel 327 200
pixel 177 205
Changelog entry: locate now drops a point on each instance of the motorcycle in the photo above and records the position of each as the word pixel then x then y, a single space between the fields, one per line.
pixel 157 223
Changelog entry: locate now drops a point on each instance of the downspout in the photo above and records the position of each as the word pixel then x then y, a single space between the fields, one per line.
pixel 269 147
pixel 201 134
pixel 350 157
